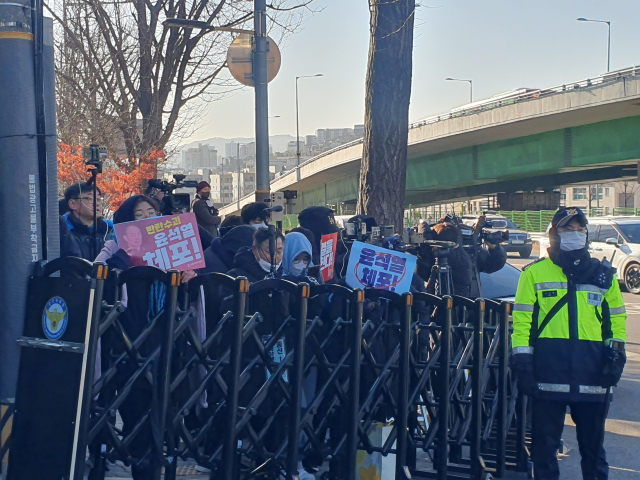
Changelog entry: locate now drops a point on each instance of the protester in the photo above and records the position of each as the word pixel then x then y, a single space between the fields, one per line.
pixel 568 344
pixel 220 254
pixel 76 235
pixel 255 262
pixel 315 246
pixel 255 214
pixel 206 214
pixel 144 301
pixel 133 208
pixel 320 221
pixel 296 258
pixel 229 223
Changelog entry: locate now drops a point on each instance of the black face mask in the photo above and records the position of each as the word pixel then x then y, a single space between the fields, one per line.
pixel 205 195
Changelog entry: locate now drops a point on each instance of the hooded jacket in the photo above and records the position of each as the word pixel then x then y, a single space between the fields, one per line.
pixel 220 254
pixel 76 237
pixel 295 244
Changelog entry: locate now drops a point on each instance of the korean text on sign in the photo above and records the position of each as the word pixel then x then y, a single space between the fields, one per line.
pixel 171 242
pixel 371 266
pixel 328 255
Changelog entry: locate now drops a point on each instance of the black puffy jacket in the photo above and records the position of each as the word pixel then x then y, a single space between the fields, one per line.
pixel 219 255
pixel 76 238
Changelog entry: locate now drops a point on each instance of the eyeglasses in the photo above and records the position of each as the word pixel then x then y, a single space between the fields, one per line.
pixel 568 229
pixel 88 199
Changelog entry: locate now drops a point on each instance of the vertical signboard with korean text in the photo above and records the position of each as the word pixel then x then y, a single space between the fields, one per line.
pixel 328 255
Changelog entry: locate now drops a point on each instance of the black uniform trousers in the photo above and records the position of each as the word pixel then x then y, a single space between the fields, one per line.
pixel 547 425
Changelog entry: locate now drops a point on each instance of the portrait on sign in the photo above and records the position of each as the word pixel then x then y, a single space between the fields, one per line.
pixel 170 242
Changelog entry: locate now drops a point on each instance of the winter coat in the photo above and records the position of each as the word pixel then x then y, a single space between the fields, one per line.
pixel 206 215
pixel 219 255
pixel 76 237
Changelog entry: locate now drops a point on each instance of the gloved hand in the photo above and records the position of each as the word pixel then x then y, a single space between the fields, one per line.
pixel 614 360
pixel 522 366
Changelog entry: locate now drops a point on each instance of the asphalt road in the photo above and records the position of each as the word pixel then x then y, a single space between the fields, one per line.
pixel 622 438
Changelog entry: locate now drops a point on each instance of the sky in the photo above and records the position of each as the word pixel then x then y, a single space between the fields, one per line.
pixel 501 45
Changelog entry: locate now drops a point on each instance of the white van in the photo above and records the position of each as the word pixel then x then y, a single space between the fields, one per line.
pixel 617 239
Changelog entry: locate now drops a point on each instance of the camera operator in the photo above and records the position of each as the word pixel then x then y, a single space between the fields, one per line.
pixel 465 265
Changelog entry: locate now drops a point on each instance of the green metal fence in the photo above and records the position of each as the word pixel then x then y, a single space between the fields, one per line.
pixel 529 221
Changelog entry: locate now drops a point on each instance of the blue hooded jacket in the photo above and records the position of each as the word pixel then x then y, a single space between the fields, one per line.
pixel 295 244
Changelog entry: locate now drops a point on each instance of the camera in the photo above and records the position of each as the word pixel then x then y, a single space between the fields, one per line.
pixel 474 233
pixel 365 231
pixel 178 201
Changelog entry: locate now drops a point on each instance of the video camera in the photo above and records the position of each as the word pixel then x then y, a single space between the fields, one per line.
pixel 474 233
pixel 178 201
pixel 364 230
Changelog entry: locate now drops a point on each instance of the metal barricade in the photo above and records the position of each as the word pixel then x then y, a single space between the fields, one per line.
pixel 206 376
pixel 136 356
pixel 251 380
pixel 385 371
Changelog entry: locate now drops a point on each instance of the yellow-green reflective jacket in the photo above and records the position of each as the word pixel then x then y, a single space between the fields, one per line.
pixel 564 326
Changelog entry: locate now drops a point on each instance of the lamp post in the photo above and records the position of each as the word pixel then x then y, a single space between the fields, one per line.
pixel 462 80
pixel 260 82
pixel 298 117
pixel 608 38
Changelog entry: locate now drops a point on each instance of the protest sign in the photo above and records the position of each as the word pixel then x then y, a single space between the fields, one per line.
pixel 328 255
pixel 377 267
pixel 164 242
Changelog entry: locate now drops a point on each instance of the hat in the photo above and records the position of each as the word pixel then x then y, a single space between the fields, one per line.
pixel 565 214
pixel 202 185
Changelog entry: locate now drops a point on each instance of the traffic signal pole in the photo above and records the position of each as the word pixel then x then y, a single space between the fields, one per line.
pixel 260 79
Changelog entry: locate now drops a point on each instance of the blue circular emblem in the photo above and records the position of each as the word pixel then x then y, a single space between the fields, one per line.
pixel 54 318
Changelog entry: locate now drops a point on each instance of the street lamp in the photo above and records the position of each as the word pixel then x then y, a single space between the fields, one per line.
pixel 260 82
pixel 297 116
pixel 462 80
pixel 608 39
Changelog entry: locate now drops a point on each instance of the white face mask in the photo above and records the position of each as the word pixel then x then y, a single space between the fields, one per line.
pixel 298 267
pixel 259 226
pixel 570 241
pixel 266 266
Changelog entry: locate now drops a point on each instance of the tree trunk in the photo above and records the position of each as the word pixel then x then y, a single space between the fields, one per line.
pixel 383 171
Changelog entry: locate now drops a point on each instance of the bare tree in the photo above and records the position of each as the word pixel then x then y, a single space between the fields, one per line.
pixel 628 190
pixel 384 160
pixel 126 79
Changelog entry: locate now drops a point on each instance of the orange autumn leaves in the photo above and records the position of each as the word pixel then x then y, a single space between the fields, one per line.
pixel 117 183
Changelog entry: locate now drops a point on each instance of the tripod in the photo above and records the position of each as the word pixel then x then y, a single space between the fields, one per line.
pixel 440 281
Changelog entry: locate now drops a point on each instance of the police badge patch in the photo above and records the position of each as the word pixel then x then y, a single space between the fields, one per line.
pixel 595 299
pixel 54 318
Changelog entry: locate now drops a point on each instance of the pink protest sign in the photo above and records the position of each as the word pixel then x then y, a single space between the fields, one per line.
pixel 163 242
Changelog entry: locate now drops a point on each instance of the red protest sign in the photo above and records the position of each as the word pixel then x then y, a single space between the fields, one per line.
pixel 163 242
pixel 328 255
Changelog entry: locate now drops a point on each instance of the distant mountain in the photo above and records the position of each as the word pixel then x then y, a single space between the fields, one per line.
pixel 278 142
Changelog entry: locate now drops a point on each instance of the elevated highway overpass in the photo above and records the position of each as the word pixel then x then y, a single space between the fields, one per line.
pixel 584 131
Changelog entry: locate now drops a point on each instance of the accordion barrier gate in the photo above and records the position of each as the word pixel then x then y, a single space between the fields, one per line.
pixel 250 380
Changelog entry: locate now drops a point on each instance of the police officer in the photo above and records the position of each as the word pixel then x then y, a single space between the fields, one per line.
pixel 568 344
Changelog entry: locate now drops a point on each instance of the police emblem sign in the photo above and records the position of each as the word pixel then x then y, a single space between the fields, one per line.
pixel 54 318
pixel 376 267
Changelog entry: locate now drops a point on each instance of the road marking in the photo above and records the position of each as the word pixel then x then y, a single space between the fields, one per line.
pixel 624 469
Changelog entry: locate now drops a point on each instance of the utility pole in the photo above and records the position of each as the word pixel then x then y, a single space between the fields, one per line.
pixel 260 80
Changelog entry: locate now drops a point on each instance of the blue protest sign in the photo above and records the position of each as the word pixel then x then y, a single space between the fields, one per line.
pixel 377 267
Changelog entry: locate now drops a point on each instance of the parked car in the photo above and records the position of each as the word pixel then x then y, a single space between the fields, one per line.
pixel 617 239
pixel 501 285
pixel 519 240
